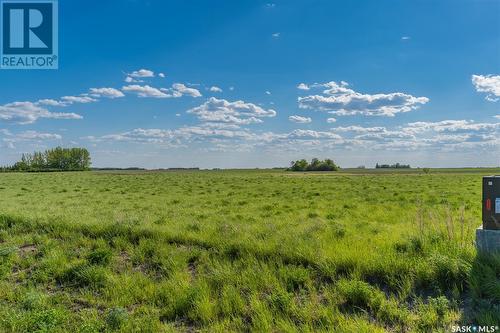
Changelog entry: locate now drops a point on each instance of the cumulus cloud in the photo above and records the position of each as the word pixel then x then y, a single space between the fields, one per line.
pixel 385 135
pixel 162 75
pixel 364 134
pixel 300 119
pixel 106 92
pixel 177 90
pixel 50 102
pixel 238 112
pixel 489 84
pixel 450 126
pixel 339 99
pixel 331 120
pixel 180 135
pixel 11 139
pixel 446 135
pixel 69 100
pixel 28 113
pixel 223 136
pixel 29 135
pixel 311 134
pixel 303 86
pixel 137 76
pixel 78 99
pixel 145 91
pixel 358 129
pixel 181 89
pixel 215 89
pixel 34 135
pixel 142 73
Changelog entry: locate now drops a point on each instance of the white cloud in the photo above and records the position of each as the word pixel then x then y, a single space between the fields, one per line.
pixel 28 113
pixel 51 102
pixel 488 84
pixel 183 90
pixel 106 92
pixel 446 135
pixel 276 34
pixel 137 76
pixel 221 135
pixel 238 112
pixel 224 136
pixel 178 136
pixel 303 86
pixel 34 135
pixel 401 145
pixel 331 120
pixel 359 129
pixel 341 100
pixel 300 119
pixel 310 134
pixel 385 135
pixel 145 91
pixel 142 73
pixel 450 126
pixel 268 92
pixel 177 90
pixel 405 38
pixel 69 100
pixel 78 99
pixel 215 89
pixel 162 75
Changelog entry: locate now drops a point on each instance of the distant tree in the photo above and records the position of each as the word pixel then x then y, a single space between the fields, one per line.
pixel 300 165
pixel 392 166
pixel 426 170
pixel 315 165
pixel 57 159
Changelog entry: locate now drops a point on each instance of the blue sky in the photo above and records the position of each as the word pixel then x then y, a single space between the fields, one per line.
pixel 258 84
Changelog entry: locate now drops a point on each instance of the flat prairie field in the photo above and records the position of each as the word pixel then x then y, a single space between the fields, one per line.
pixel 244 251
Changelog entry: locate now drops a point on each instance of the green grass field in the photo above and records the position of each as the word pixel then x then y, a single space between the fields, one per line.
pixel 260 251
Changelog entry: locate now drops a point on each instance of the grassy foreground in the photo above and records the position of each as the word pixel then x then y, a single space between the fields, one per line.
pixel 259 251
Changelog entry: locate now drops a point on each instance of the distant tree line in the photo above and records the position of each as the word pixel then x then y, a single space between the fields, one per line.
pixel 315 165
pixel 57 159
pixel 392 166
